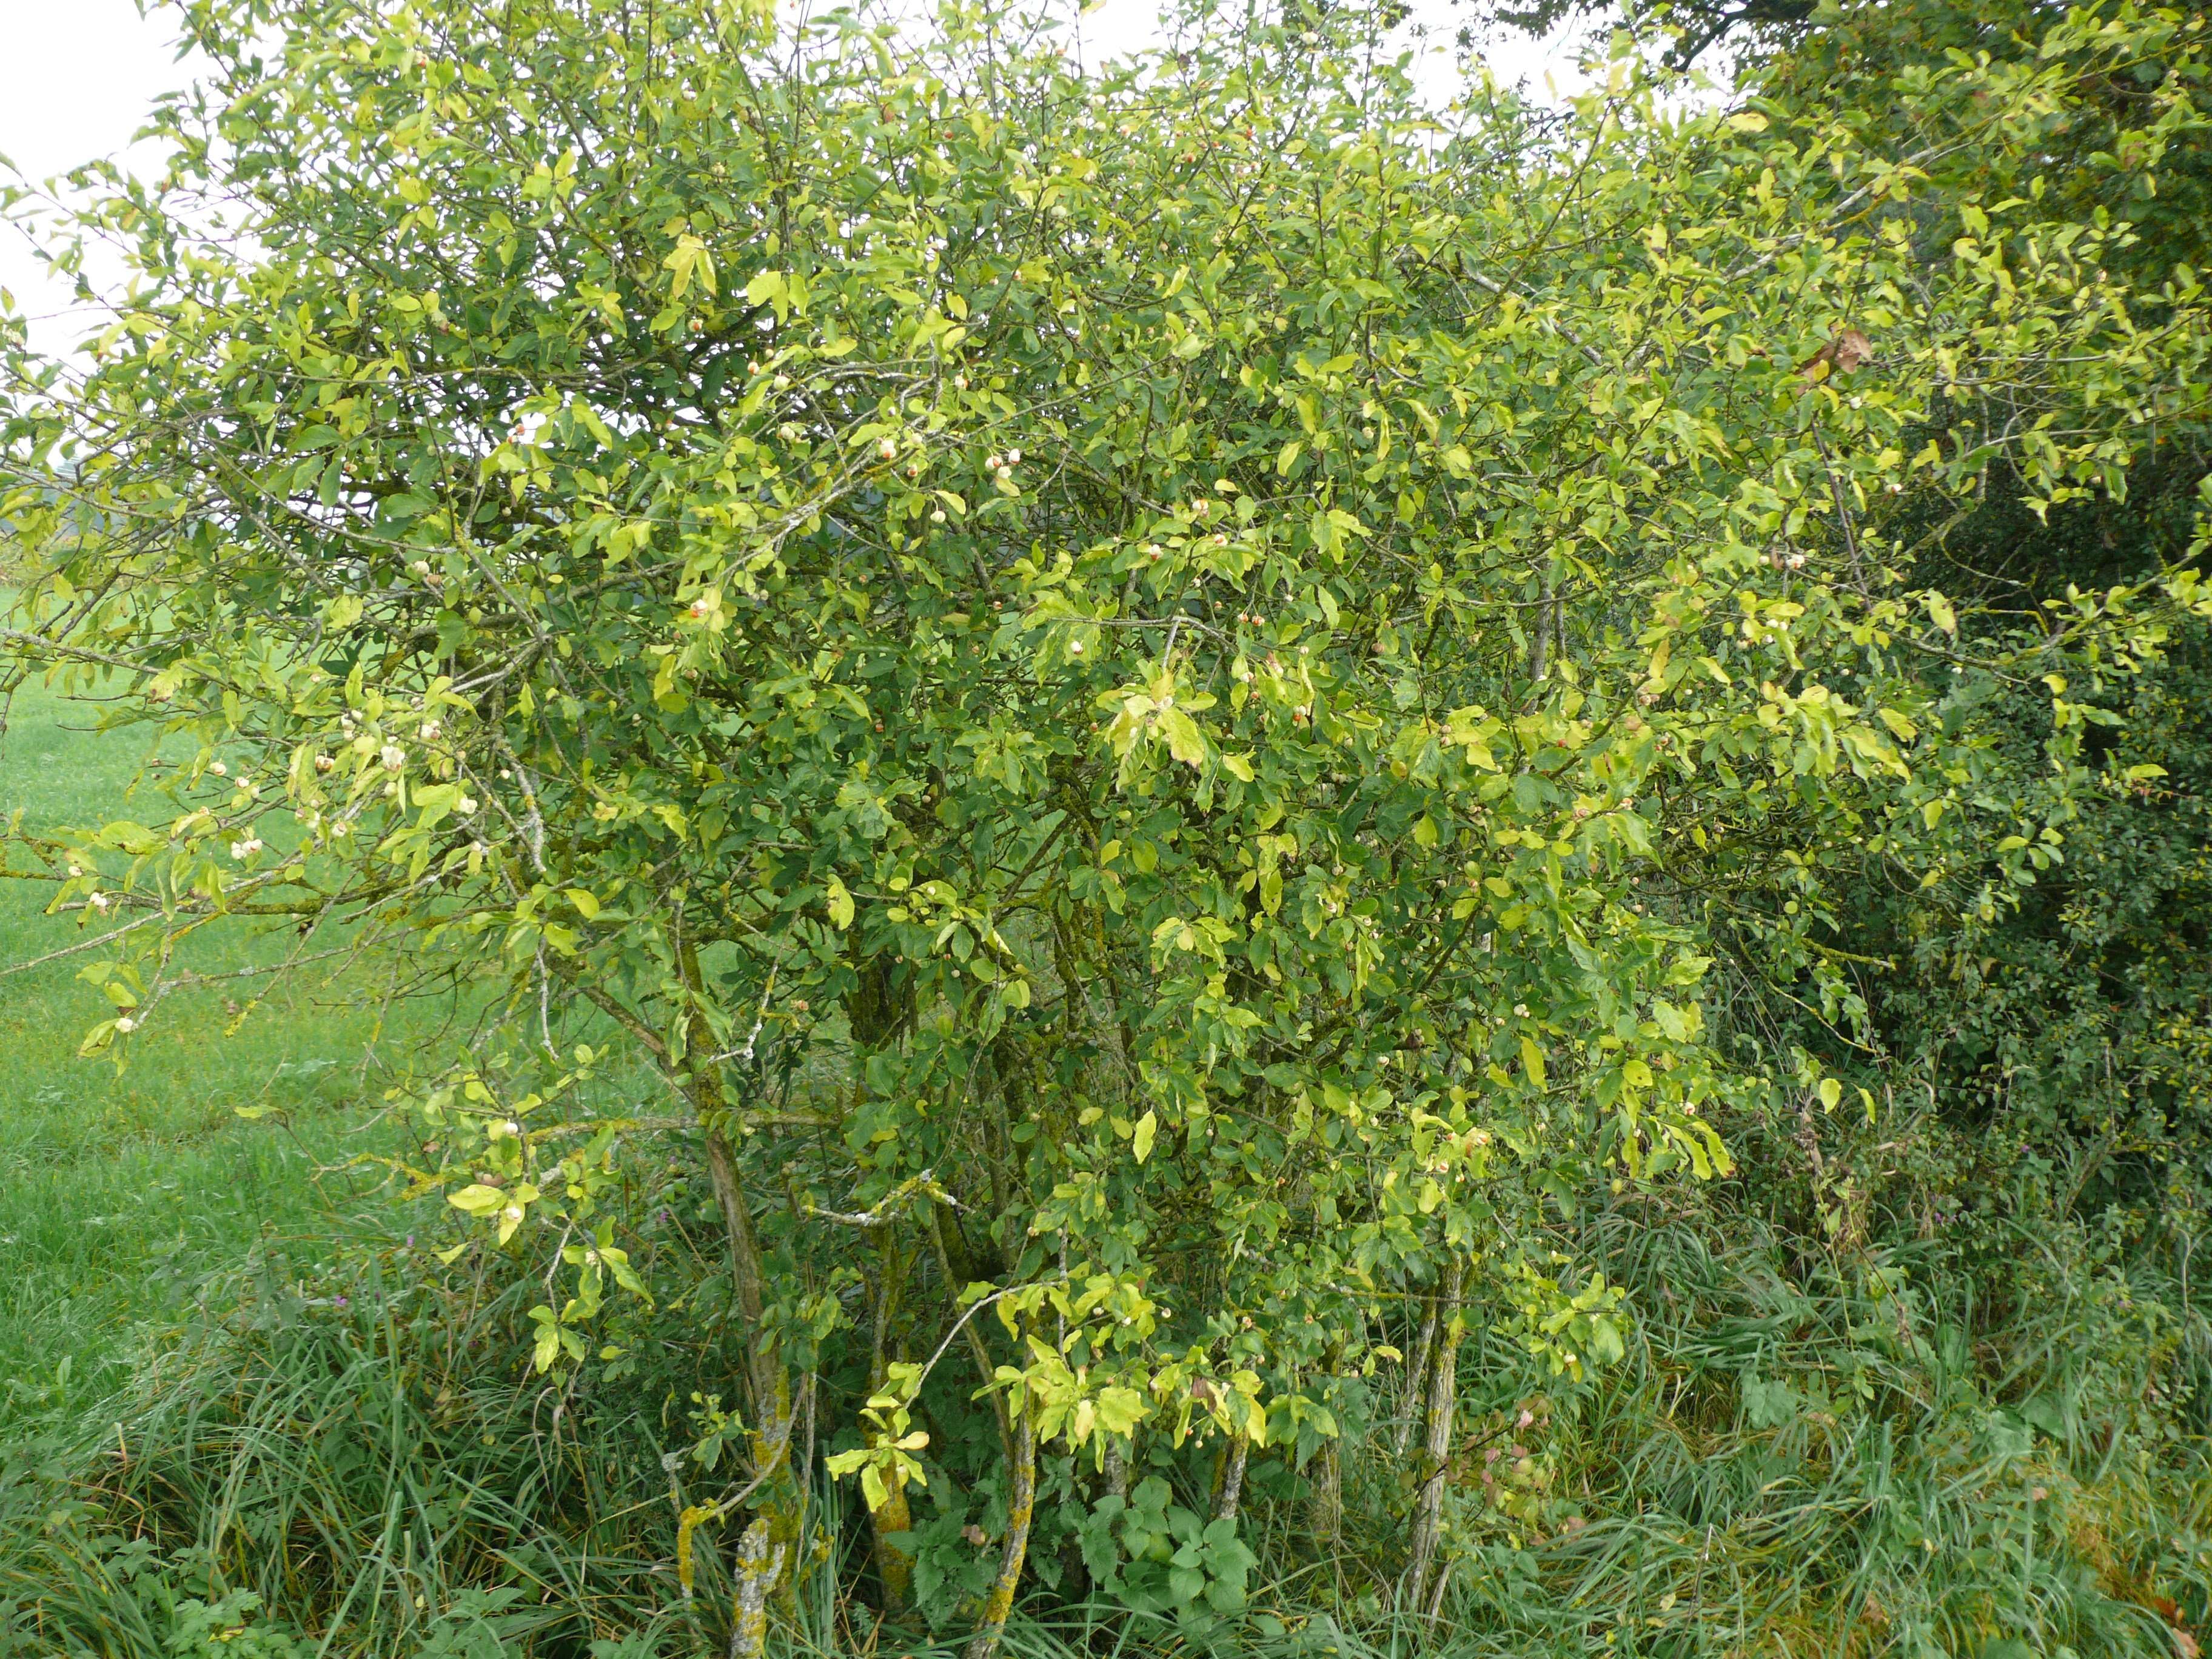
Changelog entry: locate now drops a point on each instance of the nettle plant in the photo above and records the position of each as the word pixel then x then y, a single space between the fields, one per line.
pixel 1141 689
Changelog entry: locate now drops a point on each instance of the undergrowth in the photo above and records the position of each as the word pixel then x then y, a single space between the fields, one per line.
pixel 1983 1442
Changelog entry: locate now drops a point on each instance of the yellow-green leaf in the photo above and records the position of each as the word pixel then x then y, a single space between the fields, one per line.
pixel 478 1200
pixel 1532 1061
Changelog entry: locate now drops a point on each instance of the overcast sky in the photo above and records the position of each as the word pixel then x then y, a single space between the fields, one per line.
pixel 80 75
pixel 79 78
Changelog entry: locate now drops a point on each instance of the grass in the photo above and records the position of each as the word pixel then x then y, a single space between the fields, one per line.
pixel 360 1464
pixel 120 1190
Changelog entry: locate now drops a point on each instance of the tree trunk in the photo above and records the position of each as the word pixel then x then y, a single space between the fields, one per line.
pixel 1443 1396
pixel 941 1234
pixel 878 1009
pixel 1021 1504
pixel 1417 1375
pixel 760 1566
pixel 777 1508
pixel 1325 1515
pixel 894 1567
pixel 1325 1507
pixel 1232 1479
pixel 770 1383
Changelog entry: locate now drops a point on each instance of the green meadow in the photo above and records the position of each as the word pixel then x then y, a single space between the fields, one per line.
pixel 123 1189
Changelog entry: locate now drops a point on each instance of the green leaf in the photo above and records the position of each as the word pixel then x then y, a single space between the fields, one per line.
pixel 769 287
pixel 1532 1061
pixel 1184 741
pixel 477 1199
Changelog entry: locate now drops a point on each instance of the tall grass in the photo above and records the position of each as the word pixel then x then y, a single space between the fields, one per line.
pixel 359 1464
pixel 1850 1454
pixel 1819 1458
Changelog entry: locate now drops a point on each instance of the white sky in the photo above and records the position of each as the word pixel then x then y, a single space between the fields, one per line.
pixel 81 74
pixel 79 78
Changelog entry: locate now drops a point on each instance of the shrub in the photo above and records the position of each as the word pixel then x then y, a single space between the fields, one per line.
pixel 1143 698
